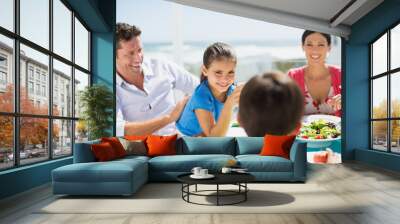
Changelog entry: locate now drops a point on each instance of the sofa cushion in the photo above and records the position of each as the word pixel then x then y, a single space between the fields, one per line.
pixel 134 147
pixel 103 152
pixel 277 145
pixel 112 171
pixel 161 145
pixel 185 163
pixel 209 145
pixel 116 145
pixel 130 158
pixel 249 145
pixel 257 163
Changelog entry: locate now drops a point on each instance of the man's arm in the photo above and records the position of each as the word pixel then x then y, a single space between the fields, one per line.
pixel 146 127
pixel 150 126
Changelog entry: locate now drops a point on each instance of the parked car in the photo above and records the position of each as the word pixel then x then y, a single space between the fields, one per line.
pixel 22 155
pixel 10 156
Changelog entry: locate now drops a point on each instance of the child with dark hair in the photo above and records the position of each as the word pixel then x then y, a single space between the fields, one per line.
pixel 209 110
pixel 271 104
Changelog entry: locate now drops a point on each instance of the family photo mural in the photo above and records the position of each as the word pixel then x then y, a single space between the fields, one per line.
pixel 227 76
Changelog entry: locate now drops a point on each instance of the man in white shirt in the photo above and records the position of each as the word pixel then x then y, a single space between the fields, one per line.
pixel 145 96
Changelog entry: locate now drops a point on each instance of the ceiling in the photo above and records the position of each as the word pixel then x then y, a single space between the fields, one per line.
pixel 329 16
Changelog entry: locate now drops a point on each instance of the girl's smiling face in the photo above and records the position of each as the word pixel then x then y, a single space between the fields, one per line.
pixel 316 48
pixel 220 74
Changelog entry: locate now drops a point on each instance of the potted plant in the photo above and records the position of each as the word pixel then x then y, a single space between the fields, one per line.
pixel 96 103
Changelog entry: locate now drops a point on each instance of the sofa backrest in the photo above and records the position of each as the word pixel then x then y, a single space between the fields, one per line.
pixel 83 152
pixel 208 145
pixel 191 146
pixel 249 145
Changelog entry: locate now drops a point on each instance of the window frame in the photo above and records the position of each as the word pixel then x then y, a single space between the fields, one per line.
pixel 388 74
pixel 16 114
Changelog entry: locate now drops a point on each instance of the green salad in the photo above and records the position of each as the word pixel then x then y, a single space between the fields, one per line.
pixel 319 129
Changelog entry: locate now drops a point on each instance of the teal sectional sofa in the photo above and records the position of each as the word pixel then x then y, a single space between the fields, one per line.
pixel 125 176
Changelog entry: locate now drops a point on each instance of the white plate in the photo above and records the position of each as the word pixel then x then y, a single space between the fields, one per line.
pixel 208 176
pixel 318 143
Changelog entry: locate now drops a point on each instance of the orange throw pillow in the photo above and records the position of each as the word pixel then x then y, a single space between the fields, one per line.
pixel 275 145
pixel 161 145
pixel 116 145
pixel 103 152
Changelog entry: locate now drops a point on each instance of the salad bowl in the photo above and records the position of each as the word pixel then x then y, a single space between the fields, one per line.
pixel 319 131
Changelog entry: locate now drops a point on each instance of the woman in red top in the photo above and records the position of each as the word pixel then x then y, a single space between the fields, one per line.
pixel 320 83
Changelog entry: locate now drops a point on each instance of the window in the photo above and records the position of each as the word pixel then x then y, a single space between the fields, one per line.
pixel 37 75
pixel 6 143
pixel 33 149
pixel 81 45
pixel 30 72
pixel 45 131
pixel 395 47
pixel 30 87
pixel 3 71
pixel 55 100
pixel 62 75
pixel 38 89
pixel 43 90
pixel 62 29
pixel 62 140
pixel 7 90
pixel 81 81
pixel 3 78
pixel 385 97
pixel 3 61
pixel 7 14
pixel 34 22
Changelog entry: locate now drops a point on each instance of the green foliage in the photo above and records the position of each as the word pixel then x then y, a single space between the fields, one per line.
pixel 97 102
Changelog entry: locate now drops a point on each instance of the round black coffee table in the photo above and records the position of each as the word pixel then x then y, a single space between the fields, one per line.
pixel 238 179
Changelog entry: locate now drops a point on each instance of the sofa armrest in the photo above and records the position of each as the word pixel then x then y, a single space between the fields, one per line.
pixel 83 152
pixel 298 155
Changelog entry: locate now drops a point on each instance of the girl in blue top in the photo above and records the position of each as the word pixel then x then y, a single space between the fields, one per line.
pixel 209 110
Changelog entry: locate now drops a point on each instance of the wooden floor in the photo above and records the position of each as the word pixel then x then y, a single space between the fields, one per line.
pixel 377 188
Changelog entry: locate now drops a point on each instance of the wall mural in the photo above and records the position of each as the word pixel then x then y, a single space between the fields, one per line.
pixel 204 87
